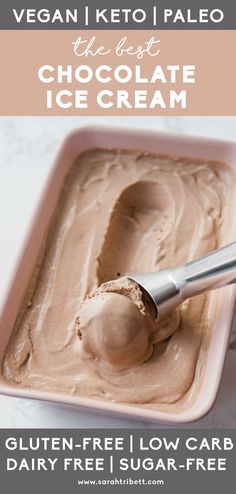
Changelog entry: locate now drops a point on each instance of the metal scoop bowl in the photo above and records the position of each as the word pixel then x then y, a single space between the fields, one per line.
pixel 171 287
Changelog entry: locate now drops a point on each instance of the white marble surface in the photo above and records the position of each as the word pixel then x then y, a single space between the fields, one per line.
pixel 27 148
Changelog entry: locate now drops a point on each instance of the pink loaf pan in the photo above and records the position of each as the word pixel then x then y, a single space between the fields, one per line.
pixel 210 367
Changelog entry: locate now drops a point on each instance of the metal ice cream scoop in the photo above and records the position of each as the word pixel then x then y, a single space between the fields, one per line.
pixel 170 287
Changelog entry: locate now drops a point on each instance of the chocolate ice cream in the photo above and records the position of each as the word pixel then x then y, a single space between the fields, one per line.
pixel 121 212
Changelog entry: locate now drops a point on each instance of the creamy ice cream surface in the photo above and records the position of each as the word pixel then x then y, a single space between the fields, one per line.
pixel 121 212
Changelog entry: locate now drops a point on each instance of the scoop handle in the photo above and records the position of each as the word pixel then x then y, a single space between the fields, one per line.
pixel 210 271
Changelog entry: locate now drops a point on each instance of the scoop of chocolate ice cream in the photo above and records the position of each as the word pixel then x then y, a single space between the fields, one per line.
pixel 114 324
